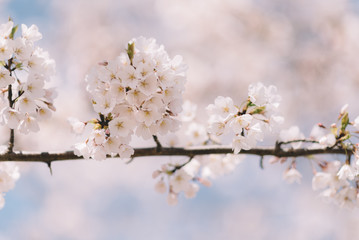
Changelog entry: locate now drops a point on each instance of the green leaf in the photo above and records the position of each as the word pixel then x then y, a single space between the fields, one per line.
pixel 345 121
pixel 131 50
pixel 13 31
pixel 18 66
pixel 109 117
pixel 250 104
pixel 334 130
pixel 258 110
pixel 93 121
pixel 345 137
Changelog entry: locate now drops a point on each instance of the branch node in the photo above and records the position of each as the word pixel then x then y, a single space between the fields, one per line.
pixel 277 147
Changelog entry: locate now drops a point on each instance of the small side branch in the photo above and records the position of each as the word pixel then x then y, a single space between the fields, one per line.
pixel 297 141
pixel 158 144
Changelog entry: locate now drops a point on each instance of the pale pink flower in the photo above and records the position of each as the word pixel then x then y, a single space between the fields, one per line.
pixel 160 187
pixel 292 175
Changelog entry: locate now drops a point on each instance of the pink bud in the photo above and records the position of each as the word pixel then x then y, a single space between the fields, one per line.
pixel 172 199
pixel 164 167
pixel 205 182
pixel 274 160
pixel 344 109
pixel 104 63
pixel 156 173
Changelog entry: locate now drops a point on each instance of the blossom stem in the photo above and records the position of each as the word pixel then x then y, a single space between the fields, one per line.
pixel 178 167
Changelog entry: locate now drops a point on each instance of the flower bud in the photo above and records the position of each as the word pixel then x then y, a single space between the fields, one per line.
pixel 172 199
pixel 156 173
pixel 160 187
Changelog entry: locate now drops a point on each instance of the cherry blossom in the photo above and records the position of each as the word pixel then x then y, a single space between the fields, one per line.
pixel 9 173
pixel 23 74
pixel 139 93
pixel 249 123
pixel 292 175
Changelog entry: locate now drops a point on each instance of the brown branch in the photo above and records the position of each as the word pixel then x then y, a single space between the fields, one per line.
pixel 48 158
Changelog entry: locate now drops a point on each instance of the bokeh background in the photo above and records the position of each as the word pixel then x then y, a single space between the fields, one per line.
pixel 308 49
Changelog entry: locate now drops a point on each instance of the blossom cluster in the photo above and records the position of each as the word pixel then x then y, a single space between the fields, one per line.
pixel 337 180
pixel 9 173
pixel 140 92
pixel 186 175
pixel 338 183
pixel 24 69
pixel 249 123
pixel 24 99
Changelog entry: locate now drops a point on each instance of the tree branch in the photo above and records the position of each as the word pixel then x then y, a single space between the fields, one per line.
pixel 48 158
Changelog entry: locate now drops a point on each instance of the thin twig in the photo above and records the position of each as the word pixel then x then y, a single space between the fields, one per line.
pixel 297 140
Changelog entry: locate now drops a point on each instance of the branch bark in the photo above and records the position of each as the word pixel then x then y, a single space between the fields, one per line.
pixel 48 157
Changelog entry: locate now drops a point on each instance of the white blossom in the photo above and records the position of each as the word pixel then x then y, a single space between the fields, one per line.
pixel 31 34
pixel 356 123
pixel 218 165
pixel 172 199
pixel 292 175
pixel 197 133
pixel 5 78
pixel 239 122
pixel 328 140
pixel 28 124
pixel 160 186
pixel 121 126
pixel 321 180
pixel 9 174
pixel 346 172
pixel 223 106
pixel 292 134
pixel 192 190
pixel 77 126
pixel 180 181
pixel 32 67
pixel 347 197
